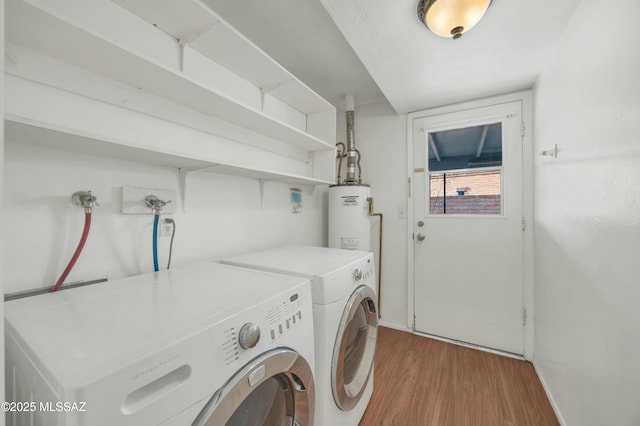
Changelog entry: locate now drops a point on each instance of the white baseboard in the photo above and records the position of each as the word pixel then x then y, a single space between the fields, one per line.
pixel 555 407
pixel 395 326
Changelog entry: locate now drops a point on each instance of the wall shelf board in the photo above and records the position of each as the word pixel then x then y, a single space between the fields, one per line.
pixel 121 60
pixel 18 130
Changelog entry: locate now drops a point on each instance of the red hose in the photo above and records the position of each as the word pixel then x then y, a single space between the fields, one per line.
pixel 76 255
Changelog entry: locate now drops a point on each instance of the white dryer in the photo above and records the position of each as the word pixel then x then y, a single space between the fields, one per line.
pixel 346 320
pixel 207 344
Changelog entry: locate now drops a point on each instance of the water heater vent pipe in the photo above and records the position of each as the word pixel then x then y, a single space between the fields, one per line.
pixel 351 140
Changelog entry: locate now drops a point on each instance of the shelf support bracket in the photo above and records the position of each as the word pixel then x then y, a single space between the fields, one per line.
pixel 266 89
pixel 185 41
pixel 261 191
pixel 182 177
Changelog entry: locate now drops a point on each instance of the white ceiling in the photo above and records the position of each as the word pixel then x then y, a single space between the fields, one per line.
pixel 377 49
pixel 394 52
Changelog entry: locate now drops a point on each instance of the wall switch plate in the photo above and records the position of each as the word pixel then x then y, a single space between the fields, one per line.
pixel 133 200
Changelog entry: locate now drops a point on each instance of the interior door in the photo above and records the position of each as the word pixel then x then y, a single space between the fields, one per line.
pixel 468 230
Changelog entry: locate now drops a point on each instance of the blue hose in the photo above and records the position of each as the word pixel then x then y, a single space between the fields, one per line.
pixel 155 243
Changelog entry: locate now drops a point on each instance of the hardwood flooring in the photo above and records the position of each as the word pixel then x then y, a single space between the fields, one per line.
pixel 424 382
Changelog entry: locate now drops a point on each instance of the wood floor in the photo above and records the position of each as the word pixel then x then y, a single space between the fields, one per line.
pixel 420 381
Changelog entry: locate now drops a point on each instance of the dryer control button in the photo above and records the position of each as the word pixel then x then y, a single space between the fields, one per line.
pixel 249 335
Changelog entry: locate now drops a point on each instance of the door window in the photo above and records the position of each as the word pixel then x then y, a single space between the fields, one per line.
pixel 465 171
pixel 275 389
pixel 271 403
pixel 355 348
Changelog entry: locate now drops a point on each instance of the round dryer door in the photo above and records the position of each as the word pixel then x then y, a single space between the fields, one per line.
pixel 274 389
pixel 355 348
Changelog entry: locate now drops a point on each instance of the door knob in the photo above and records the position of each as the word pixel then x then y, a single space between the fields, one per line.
pixel 420 237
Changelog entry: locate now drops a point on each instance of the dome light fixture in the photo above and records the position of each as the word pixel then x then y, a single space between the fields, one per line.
pixel 451 18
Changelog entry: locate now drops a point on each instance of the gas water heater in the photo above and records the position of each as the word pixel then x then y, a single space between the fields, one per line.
pixel 350 202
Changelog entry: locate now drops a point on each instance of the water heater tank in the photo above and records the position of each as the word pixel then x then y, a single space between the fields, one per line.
pixel 349 220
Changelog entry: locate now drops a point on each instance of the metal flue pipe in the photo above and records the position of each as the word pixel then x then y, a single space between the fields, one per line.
pixel 349 101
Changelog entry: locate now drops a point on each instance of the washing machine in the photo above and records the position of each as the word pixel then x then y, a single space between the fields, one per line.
pixel 346 320
pixel 207 344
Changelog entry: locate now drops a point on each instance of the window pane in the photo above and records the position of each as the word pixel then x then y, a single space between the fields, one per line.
pixel 468 192
pixel 466 148
pixel 268 404
pixel 465 170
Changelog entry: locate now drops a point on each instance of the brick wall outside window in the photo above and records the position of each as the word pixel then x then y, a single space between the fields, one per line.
pixel 481 189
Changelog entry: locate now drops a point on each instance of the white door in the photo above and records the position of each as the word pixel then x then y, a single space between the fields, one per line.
pixel 468 230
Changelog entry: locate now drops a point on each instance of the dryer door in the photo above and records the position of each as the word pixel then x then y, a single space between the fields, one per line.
pixel 274 389
pixel 354 348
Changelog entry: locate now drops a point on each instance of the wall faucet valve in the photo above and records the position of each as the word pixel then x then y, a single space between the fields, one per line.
pixel 85 199
pixel 155 204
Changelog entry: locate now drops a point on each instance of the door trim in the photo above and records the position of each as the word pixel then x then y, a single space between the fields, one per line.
pixel 526 99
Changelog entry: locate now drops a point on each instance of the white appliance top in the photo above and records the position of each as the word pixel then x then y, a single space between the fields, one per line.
pixel 304 261
pixel 83 331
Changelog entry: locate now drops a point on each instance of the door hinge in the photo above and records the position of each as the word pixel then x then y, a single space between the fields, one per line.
pixel 524 222
pixel 524 316
pixel 523 129
pixel 414 322
pixel 409 186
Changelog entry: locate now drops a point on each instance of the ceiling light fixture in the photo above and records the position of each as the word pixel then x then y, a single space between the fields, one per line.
pixel 451 18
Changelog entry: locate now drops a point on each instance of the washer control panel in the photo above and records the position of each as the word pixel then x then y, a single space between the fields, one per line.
pixel 283 317
pixel 265 325
pixel 363 271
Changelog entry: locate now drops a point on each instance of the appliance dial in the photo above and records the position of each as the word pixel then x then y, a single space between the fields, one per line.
pixel 357 274
pixel 249 335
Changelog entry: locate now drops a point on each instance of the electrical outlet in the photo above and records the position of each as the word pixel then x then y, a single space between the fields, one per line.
pixel 166 229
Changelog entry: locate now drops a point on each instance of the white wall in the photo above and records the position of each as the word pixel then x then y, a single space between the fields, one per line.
pixel 381 139
pixel 224 217
pixel 587 228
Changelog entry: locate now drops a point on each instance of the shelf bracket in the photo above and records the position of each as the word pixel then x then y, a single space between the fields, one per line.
pixel 266 89
pixel 190 38
pixel 182 177
pixel 261 191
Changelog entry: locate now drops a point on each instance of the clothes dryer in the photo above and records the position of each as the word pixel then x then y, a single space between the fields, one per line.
pixel 207 344
pixel 345 317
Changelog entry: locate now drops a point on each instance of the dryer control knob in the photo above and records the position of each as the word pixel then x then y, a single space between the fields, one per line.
pixel 357 274
pixel 249 336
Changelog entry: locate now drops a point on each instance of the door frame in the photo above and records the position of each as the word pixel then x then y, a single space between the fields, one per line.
pixel 526 99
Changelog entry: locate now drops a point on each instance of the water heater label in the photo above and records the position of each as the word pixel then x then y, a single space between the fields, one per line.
pixel 351 200
pixel 349 243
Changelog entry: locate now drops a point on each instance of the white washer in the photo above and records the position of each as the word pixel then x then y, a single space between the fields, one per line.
pixel 167 348
pixel 345 317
